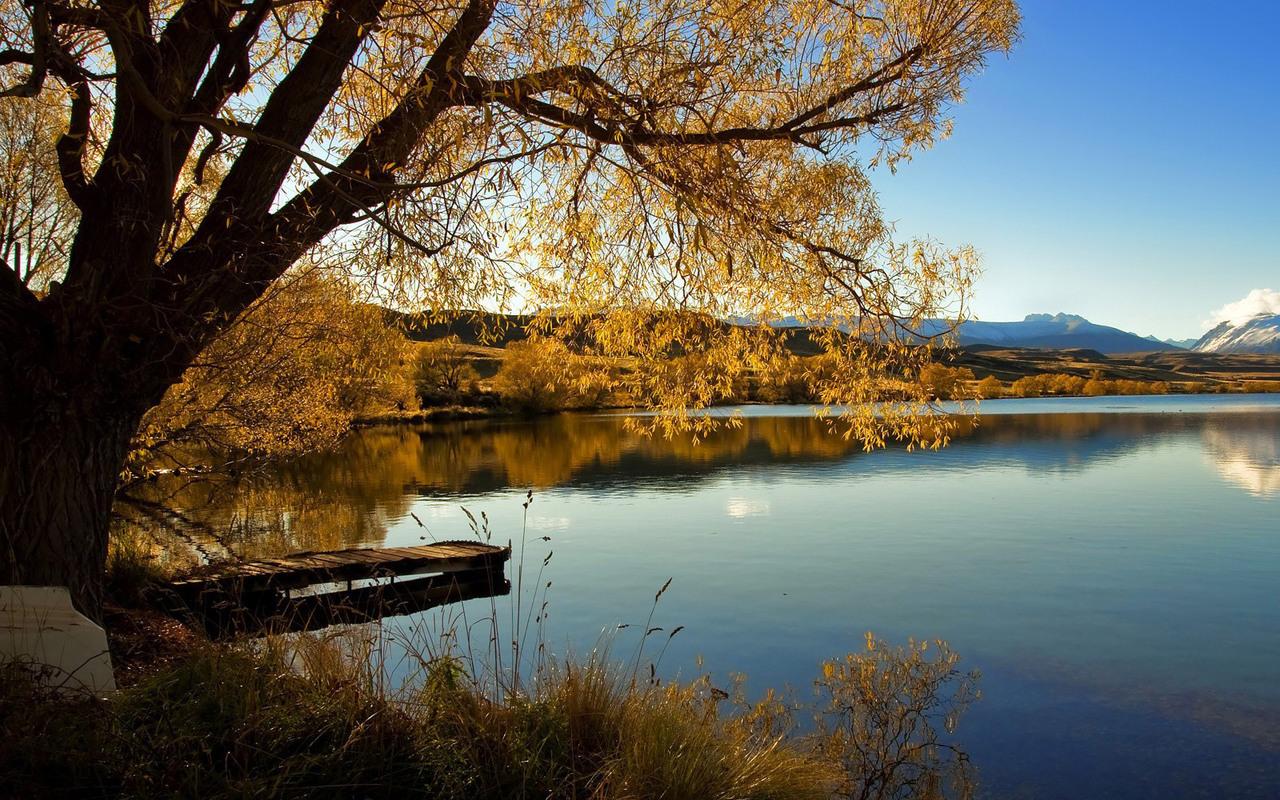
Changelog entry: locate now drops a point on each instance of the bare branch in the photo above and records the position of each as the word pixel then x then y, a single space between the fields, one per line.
pixel 231 70
pixel 38 58
pixel 516 94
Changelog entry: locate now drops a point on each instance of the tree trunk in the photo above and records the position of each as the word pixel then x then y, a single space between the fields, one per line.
pixel 59 465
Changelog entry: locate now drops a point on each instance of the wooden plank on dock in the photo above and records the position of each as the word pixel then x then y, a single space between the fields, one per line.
pixel 353 606
pixel 308 568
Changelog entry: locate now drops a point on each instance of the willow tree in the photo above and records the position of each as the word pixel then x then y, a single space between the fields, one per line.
pixel 640 158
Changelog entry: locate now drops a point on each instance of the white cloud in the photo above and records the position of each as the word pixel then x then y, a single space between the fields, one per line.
pixel 1258 301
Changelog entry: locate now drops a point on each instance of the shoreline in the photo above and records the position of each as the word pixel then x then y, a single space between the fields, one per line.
pixel 463 413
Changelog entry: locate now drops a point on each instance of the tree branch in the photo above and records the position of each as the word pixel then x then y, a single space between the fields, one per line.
pixel 231 71
pixel 886 74
pixel 38 58
pixel 188 41
pixel 322 205
pixel 293 109
pixel 516 94
pixel 71 145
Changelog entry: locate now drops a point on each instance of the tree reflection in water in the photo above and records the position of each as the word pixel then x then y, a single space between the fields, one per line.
pixel 349 496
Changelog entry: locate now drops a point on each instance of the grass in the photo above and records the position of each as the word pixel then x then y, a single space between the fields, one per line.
pixel 301 718
pixel 134 567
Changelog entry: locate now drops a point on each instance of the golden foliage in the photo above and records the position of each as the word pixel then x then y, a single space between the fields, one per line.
pixel 946 383
pixel 443 373
pixel 540 374
pixel 1064 385
pixel 37 219
pixel 656 163
pixel 990 387
pixel 786 378
pixel 288 377
pixel 652 164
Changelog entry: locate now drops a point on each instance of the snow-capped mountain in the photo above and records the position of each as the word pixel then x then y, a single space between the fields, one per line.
pixel 1259 334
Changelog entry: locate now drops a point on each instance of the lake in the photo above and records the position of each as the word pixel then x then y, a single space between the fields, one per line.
pixel 1111 565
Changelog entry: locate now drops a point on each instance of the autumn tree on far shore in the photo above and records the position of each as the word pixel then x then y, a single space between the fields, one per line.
pixel 442 372
pixel 945 383
pixel 989 388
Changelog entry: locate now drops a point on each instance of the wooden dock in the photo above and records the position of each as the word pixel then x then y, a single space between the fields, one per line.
pixel 259 596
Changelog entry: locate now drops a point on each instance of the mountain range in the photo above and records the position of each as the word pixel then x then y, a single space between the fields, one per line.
pixel 1050 332
pixel 1035 332
pixel 1181 344
pixel 1257 335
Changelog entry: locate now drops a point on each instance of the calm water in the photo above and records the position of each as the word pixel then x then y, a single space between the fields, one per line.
pixel 1112 565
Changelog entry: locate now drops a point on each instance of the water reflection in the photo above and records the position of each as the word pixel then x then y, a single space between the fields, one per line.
pixel 351 495
pixel 1246 452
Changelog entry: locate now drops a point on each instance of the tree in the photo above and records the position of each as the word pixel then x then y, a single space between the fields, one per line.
pixel 1029 386
pixel 541 374
pixel 785 379
pixel 990 387
pixel 582 156
pixel 945 383
pixel 1097 387
pixel 1065 384
pixel 442 371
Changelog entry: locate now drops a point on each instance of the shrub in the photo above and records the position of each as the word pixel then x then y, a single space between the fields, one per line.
pixel 883 716
pixel 303 718
pixel 785 379
pixel 541 374
pixel 442 373
pixel 990 387
pixel 945 383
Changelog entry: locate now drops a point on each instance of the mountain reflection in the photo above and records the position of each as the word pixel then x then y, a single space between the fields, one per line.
pixel 352 494
pixel 1246 453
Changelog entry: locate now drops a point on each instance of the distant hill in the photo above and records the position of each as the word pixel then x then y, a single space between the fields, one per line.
pixel 1261 334
pixel 1164 365
pixel 472 327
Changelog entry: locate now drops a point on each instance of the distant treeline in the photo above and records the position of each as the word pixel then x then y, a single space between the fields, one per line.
pixel 544 374
pixel 480 359
pixel 958 383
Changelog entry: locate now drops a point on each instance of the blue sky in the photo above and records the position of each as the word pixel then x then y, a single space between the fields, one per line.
pixel 1122 163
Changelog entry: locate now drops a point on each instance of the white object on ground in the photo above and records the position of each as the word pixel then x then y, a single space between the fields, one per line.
pixel 65 649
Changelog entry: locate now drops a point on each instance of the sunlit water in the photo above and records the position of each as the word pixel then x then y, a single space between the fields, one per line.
pixel 1111 565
